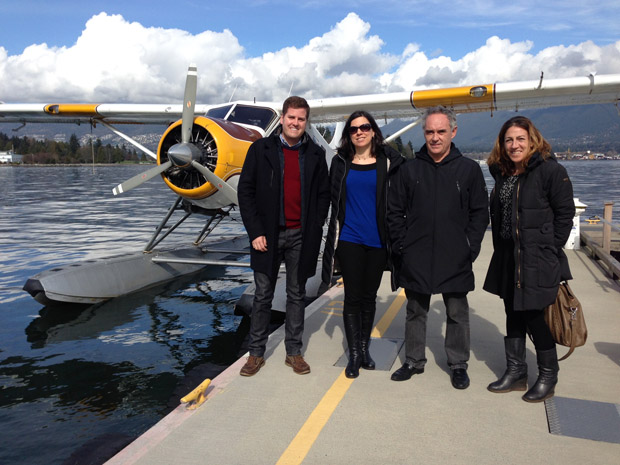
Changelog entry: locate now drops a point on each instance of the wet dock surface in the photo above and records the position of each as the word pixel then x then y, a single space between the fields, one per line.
pixel 278 417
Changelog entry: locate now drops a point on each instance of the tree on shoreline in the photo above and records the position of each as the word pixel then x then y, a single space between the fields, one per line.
pixel 52 152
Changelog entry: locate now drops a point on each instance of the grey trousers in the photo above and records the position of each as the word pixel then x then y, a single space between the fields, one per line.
pixel 457 338
pixel 289 251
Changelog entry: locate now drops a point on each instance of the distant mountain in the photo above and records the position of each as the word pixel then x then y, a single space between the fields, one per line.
pixel 578 128
pixel 147 135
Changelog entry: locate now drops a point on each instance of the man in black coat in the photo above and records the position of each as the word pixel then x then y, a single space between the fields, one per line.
pixel 283 196
pixel 437 216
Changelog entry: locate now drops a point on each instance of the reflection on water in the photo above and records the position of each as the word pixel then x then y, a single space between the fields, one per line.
pixel 81 381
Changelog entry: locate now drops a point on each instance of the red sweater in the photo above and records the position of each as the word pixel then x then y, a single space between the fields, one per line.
pixel 292 188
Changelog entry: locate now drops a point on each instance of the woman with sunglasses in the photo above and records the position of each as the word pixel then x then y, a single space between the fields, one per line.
pixel 359 182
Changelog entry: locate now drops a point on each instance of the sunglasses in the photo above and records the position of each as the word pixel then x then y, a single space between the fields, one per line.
pixel 364 128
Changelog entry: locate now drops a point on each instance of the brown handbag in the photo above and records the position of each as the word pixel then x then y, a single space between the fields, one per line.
pixel 565 320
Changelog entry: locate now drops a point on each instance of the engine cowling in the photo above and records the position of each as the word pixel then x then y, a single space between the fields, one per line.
pixel 222 145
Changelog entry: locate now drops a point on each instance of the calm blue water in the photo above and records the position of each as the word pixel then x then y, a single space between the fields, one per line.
pixel 74 379
pixel 594 183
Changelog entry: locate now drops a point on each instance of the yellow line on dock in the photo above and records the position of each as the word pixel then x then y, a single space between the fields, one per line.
pixel 302 442
pixel 309 432
pixel 385 322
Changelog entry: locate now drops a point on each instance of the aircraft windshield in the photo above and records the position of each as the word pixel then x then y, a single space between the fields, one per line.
pixel 245 114
pixel 220 112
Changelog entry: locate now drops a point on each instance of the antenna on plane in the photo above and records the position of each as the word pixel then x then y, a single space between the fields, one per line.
pixel 541 79
pixel 233 93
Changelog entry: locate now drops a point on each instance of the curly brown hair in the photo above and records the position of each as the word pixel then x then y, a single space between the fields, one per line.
pixel 500 157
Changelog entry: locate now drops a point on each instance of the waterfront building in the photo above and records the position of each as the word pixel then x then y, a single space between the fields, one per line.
pixel 10 157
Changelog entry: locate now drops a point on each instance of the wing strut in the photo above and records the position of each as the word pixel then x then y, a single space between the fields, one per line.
pixel 129 139
pixel 400 132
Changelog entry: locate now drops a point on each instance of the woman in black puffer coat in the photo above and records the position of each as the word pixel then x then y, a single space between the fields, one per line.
pixel 532 210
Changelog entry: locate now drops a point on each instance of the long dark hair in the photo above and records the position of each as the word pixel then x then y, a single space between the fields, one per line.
pixel 537 144
pixel 346 147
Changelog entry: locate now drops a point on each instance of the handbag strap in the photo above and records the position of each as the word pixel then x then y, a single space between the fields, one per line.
pixel 573 335
pixel 570 291
pixel 570 351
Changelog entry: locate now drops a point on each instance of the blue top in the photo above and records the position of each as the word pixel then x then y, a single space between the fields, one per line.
pixel 360 221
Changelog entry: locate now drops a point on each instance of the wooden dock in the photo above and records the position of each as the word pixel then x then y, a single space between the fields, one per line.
pixel 278 417
pixel 602 247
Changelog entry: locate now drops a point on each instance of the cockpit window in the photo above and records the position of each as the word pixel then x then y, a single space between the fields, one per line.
pixel 245 114
pixel 219 112
pixel 255 116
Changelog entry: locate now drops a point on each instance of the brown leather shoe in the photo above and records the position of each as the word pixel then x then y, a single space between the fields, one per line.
pixel 252 366
pixel 298 364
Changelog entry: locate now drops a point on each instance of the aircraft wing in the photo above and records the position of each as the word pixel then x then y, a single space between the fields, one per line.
pixel 113 113
pixel 476 98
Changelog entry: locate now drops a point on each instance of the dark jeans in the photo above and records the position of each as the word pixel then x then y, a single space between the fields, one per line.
pixel 289 251
pixel 362 269
pixel 457 328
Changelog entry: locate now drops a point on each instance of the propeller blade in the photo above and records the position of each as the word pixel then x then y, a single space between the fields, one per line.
pixel 189 102
pixel 141 178
pixel 227 189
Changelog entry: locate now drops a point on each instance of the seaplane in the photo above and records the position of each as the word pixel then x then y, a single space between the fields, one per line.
pixel 201 154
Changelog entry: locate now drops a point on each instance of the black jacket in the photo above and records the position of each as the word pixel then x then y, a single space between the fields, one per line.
pixel 542 218
pixel 260 193
pixel 437 216
pixel 388 160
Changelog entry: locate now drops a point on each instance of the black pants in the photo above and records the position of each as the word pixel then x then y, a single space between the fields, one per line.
pixel 519 322
pixel 362 269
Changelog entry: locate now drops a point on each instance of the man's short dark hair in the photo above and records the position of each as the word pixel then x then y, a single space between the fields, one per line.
pixel 441 110
pixel 296 102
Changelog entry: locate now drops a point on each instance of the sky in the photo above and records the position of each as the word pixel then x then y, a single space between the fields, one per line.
pixel 136 51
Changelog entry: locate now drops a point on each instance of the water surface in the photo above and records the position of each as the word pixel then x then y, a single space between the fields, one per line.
pixel 80 381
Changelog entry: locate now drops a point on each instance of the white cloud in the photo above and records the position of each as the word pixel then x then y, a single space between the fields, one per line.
pixel 343 61
pixel 500 60
pixel 147 65
pixel 135 64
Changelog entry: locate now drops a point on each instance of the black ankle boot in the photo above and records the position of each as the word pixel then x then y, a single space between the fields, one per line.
pixel 352 324
pixel 368 319
pixel 515 376
pixel 548 368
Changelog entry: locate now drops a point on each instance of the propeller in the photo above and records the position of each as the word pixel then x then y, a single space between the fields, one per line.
pixel 229 192
pixel 140 178
pixel 189 102
pixel 185 154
